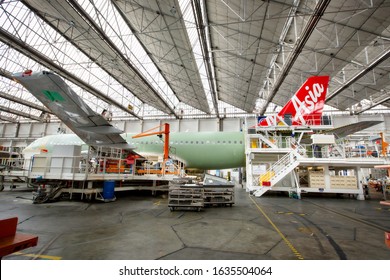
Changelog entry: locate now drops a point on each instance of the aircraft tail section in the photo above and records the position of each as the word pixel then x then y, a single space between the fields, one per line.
pixel 305 107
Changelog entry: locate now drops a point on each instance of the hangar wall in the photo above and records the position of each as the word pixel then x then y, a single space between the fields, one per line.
pixel 21 134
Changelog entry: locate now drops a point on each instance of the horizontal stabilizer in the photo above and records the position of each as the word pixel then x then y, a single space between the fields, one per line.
pixel 343 131
pixel 105 129
pixel 70 108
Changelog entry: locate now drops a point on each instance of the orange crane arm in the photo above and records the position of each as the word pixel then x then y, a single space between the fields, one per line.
pixel 384 144
pixel 164 131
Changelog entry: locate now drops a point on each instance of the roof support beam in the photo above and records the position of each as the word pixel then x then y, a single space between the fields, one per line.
pixel 377 102
pixel 172 56
pixel 8 119
pixel 360 74
pixel 305 35
pixel 19 113
pixel 206 54
pixel 118 53
pixel 23 102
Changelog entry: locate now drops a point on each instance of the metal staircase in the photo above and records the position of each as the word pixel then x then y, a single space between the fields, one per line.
pixel 338 150
pixel 278 171
pixel 267 141
pixel 282 153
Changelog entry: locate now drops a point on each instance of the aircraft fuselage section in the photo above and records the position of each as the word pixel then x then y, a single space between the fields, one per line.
pixel 201 150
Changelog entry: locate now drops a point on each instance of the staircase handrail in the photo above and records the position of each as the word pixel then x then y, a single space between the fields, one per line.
pixel 284 162
pixel 297 146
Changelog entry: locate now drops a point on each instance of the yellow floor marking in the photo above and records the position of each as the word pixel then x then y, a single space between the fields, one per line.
pixel 38 256
pixel 289 213
pixel 292 248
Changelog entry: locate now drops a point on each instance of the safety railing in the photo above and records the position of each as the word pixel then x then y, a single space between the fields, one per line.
pixel 11 163
pixel 72 166
pixel 344 151
pixel 340 149
pixel 275 120
pixel 279 169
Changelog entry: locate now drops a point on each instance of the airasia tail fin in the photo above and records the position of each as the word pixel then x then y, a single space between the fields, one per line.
pixel 305 107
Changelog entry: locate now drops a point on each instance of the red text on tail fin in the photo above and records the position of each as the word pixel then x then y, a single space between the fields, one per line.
pixel 305 107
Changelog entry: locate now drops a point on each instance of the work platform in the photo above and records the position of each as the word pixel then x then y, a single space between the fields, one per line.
pixel 73 173
pixel 297 160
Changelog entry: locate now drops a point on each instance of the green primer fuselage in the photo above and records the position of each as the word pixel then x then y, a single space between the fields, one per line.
pixel 201 150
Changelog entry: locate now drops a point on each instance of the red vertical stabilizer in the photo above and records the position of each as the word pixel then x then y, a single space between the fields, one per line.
pixel 305 107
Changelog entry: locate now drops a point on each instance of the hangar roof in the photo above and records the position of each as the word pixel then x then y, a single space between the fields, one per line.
pixel 173 59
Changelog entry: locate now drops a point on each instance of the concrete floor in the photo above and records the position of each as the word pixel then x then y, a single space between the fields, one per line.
pixel 140 226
